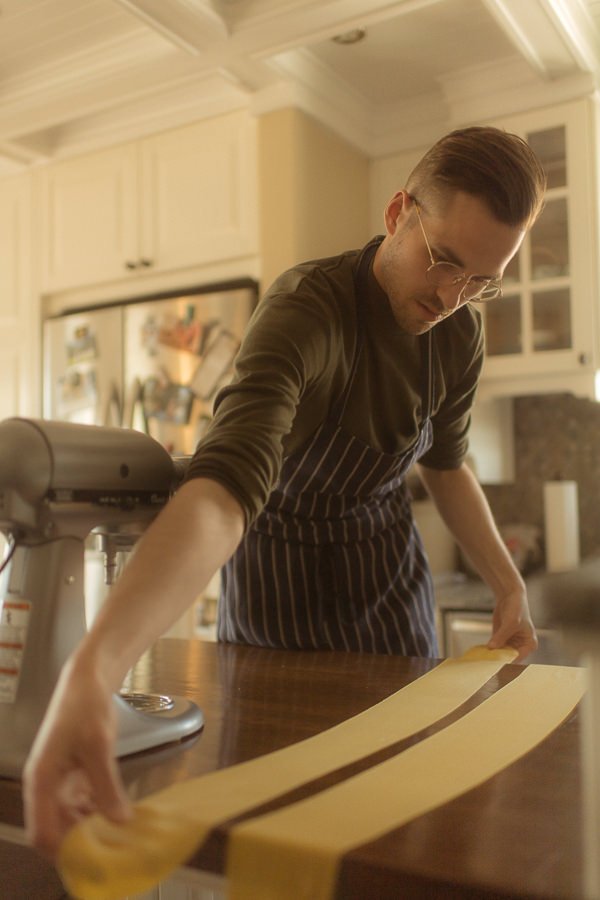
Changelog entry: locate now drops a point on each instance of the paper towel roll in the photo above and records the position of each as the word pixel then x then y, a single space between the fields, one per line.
pixel 561 525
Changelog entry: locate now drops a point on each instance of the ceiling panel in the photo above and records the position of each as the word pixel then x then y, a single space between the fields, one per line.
pixel 67 66
pixel 35 32
pixel 410 54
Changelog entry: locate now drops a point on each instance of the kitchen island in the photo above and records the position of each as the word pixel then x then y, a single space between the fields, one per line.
pixel 518 835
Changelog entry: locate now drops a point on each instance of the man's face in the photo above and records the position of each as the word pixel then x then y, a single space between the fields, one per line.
pixel 463 232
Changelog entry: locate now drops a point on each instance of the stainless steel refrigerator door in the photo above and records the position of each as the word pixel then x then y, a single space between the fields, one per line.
pixel 178 353
pixel 83 367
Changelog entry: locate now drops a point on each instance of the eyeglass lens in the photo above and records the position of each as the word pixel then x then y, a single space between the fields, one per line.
pixel 444 274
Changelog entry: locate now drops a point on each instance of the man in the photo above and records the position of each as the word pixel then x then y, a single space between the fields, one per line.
pixel 354 369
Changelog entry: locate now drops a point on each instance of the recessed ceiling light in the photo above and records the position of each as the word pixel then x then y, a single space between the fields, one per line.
pixel 350 37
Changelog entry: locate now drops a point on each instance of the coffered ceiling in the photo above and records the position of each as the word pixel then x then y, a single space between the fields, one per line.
pixel 76 74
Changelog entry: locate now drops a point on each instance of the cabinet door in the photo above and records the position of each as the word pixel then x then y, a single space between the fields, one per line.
pixel 90 219
pixel 199 193
pixel 19 322
pixel 542 324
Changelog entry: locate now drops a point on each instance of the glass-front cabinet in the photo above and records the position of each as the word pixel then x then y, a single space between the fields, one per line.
pixel 543 334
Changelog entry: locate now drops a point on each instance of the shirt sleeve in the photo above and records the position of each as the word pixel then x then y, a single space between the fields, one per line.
pixel 459 363
pixel 289 346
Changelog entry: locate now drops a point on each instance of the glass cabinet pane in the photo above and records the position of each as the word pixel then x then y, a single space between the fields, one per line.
pixel 534 318
pixel 550 147
pixel 551 320
pixel 503 326
pixel 550 241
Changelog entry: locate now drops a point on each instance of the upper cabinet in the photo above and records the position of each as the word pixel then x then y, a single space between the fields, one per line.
pixel 172 201
pixel 542 334
pixel 90 224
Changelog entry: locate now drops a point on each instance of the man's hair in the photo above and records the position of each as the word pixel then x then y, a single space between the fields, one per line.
pixel 498 167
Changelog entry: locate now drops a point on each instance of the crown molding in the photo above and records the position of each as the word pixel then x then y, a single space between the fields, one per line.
pixel 475 93
pixel 504 87
pixel 376 133
pixel 88 85
pixel 14 157
pixel 191 100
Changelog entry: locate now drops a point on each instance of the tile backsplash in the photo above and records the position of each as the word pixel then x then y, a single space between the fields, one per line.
pixel 556 437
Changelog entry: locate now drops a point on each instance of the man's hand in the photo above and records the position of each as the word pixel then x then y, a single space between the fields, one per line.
pixel 512 625
pixel 465 510
pixel 71 770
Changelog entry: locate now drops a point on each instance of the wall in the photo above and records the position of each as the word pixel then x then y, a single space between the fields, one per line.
pixel 313 192
pixel 556 436
pixel 388 175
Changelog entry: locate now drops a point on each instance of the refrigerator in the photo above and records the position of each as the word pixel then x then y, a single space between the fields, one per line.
pixel 154 364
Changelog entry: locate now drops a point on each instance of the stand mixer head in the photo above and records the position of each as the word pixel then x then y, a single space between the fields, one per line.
pixel 58 482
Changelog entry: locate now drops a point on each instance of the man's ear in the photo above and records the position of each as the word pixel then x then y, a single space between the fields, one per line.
pixel 397 211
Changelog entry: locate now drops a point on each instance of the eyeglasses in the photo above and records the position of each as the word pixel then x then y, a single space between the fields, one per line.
pixel 476 288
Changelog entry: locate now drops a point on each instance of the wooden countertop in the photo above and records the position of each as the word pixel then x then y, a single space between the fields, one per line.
pixel 517 835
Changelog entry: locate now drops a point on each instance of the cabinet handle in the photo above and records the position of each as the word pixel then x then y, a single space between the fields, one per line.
pixel 583 359
pixel 130 265
pixel 145 262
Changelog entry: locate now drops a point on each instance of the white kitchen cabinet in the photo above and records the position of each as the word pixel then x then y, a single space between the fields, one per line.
pixel 19 316
pixel 199 193
pixel 542 335
pixel 175 200
pixel 90 218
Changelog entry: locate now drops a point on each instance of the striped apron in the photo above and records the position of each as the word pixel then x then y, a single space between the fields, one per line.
pixel 334 560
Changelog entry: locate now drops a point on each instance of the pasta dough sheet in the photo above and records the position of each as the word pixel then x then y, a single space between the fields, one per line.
pixel 101 860
pixel 294 854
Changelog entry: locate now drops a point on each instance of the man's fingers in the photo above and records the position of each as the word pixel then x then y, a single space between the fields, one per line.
pixel 54 802
pixel 108 791
pixel 505 636
pixel 44 818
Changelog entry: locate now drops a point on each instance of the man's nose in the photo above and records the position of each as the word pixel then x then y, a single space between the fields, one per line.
pixel 450 295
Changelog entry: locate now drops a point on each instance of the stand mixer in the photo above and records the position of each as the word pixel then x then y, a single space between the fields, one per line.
pixel 59 482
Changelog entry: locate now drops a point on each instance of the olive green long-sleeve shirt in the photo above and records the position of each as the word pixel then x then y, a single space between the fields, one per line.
pixel 295 361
